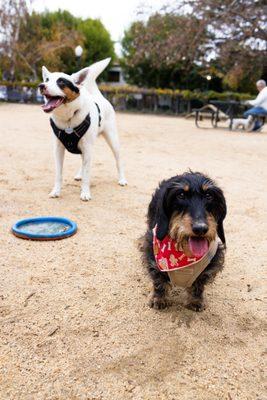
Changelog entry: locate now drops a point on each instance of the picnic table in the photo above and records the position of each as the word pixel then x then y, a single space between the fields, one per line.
pixel 230 108
pixel 218 110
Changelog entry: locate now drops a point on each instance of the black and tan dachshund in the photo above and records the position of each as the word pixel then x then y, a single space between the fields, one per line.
pixel 190 209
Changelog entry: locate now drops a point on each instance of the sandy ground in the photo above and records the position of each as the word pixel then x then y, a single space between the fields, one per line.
pixel 74 318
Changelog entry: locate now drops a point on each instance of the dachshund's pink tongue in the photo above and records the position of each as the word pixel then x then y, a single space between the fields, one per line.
pixel 198 246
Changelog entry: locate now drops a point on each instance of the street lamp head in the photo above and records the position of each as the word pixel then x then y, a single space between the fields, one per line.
pixel 208 77
pixel 78 51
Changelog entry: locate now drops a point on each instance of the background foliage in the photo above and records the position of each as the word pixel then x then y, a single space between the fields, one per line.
pixel 181 45
pixel 175 48
pixel 30 40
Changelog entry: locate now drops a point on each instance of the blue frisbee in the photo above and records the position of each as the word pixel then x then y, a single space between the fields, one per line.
pixel 44 228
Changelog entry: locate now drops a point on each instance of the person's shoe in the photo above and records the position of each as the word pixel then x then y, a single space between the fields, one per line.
pixel 257 126
pixel 258 129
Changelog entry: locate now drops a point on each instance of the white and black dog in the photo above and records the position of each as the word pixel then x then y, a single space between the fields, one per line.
pixel 79 114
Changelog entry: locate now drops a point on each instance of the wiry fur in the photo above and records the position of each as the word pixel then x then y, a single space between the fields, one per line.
pixel 80 93
pixel 203 205
pixel 244 123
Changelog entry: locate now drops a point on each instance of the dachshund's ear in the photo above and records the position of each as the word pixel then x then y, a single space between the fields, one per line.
pixel 161 217
pixel 222 209
pixel 220 232
pixel 162 225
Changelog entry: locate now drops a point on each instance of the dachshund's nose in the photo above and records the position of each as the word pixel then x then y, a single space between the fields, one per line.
pixel 41 86
pixel 200 228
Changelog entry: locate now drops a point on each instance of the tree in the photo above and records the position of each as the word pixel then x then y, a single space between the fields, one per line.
pixel 60 29
pixel 29 40
pixel 239 37
pixel 38 45
pixel 97 41
pixel 12 12
pixel 195 38
pixel 89 33
pixel 163 51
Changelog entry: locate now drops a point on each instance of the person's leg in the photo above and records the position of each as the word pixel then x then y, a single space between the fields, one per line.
pixel 259 122
pixel 254 111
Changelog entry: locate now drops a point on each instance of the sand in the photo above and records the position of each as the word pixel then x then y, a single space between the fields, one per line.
pixel 74 317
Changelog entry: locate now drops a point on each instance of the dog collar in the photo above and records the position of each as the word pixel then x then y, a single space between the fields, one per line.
pixel 70 137
pixel 182 270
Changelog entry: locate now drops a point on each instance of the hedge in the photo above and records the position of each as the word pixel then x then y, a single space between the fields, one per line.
pixel 127 89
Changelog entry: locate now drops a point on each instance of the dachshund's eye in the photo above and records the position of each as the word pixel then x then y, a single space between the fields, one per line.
pixel 208 196
pixel 47 79
pixel 181 195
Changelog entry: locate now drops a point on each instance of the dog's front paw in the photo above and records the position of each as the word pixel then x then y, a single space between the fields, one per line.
pixel 196 306
pixel 122 182
pixel 158 303
pixel 54 193
pixel 85 196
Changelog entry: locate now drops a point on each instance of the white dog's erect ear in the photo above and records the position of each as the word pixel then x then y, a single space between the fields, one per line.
pixel 45 72
pixel 97 68
pixel 80 76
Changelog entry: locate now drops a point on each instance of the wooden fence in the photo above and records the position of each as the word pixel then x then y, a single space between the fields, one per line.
pixel 129 98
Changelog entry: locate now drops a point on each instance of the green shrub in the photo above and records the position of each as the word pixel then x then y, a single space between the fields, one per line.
pixel 127 89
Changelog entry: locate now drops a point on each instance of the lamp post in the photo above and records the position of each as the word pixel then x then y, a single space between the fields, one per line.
pixel 208 77
pixel 78 53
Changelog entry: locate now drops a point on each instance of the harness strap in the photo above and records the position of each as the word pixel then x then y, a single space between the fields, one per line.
pixel 99 114
pixel 71 140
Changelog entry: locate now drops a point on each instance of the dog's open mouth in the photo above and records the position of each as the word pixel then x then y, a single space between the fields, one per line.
pixel 52 103
pixel 198 246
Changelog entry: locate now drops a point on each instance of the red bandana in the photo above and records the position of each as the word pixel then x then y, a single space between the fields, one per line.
pixel 167 257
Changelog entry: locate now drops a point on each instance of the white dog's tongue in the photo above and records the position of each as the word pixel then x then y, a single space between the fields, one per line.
pixel 198 246
pixel 52 103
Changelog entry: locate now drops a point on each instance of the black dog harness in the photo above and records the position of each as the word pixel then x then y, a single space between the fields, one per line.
pixel 70 137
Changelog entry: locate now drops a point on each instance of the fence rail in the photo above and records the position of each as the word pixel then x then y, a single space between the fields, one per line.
pixel 128 98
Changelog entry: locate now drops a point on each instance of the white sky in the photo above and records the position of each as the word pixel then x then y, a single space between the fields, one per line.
pixel 116 15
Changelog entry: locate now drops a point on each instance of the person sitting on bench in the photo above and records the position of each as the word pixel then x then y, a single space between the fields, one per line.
pixel 259 108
